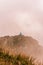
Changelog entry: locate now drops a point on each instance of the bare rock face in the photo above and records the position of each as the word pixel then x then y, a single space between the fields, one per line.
pixel 21 44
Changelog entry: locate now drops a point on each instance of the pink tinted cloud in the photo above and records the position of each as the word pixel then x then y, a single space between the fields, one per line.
pixel 25 16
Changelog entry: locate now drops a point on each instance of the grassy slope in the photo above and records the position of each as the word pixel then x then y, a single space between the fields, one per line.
pixel 6 59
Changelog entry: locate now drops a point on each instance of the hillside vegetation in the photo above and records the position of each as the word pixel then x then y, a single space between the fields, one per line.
pixel 17 50
pixel 6 59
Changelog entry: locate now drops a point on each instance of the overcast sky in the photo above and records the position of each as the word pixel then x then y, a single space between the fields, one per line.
pixel 24 16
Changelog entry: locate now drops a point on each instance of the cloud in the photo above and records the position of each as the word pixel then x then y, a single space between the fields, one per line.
pixel 28 21
pixel 22 15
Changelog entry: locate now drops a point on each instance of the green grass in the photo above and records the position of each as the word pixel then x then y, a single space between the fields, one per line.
pixel 6 59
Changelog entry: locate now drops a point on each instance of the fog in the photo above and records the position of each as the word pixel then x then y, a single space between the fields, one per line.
pixel 24 16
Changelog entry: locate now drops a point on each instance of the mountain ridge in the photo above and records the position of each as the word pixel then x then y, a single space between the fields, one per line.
pixel 21 44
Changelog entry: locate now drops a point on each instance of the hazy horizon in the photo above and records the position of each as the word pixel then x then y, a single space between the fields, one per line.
pixel 24 16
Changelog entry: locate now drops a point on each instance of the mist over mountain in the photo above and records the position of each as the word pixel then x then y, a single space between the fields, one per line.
pixel 20 44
